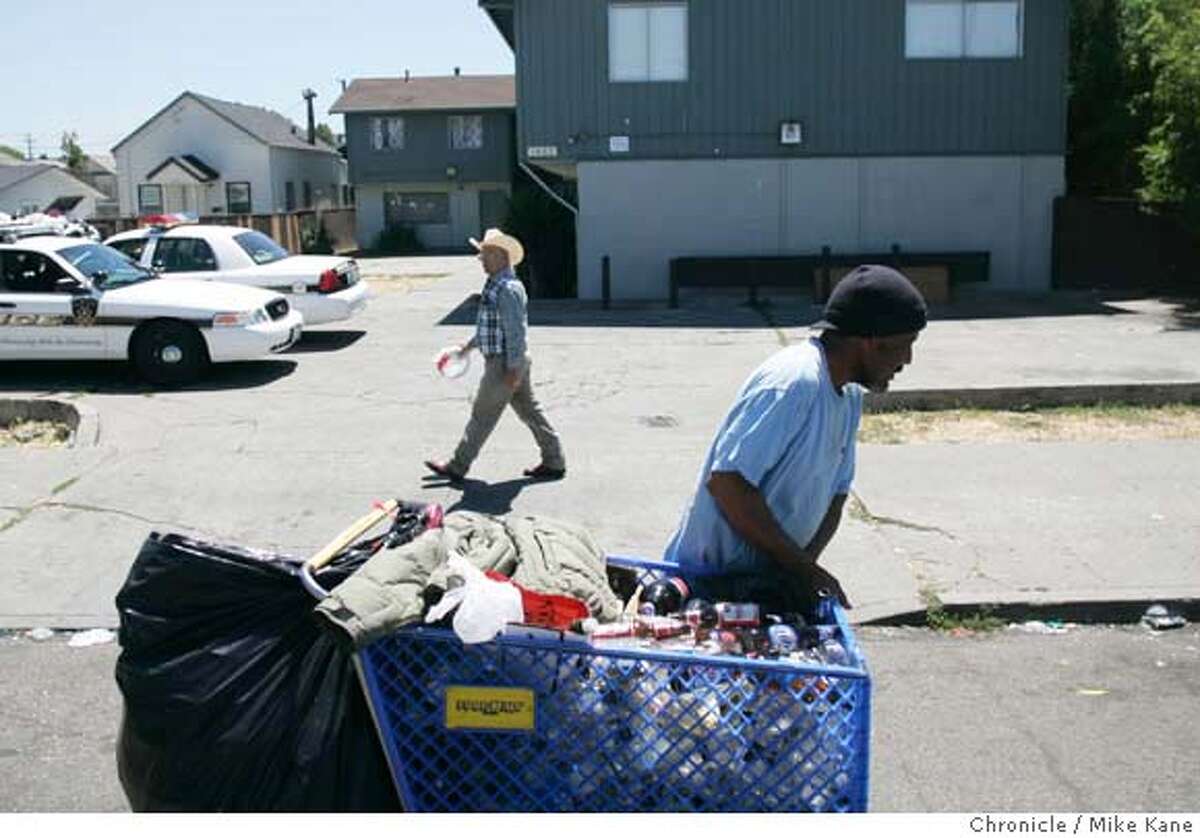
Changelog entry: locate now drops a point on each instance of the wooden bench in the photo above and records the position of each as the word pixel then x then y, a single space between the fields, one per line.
pixel 934 273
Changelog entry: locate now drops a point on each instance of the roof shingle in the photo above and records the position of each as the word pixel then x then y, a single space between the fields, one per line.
pixel 428 93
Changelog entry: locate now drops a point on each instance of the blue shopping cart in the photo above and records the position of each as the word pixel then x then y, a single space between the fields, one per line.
pixel 543 721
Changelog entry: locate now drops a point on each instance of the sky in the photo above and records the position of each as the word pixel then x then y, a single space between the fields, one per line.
pixel 102 68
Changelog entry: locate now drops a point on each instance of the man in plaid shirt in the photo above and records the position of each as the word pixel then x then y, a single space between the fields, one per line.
pixel 500 327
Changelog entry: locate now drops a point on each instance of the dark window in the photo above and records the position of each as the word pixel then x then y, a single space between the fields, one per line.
pixel 24 272
pixel 307 195
pixel 150 199
pixel 131 247
pixel 387 133
pixel 466 132
pixel 181 255
pixel 416 208
pixel 261 248
pixel 237 197
pixel 289 196
pixel 347 200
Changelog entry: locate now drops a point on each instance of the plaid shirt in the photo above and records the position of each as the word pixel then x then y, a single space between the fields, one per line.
pixel 501 323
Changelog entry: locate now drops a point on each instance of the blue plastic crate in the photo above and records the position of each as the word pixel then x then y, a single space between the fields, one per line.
pixel 535 721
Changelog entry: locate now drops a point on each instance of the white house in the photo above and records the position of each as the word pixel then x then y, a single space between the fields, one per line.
pixel 46 187
pixel 209 156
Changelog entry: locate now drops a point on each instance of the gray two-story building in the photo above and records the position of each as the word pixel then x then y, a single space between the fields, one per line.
pixel 433 154
pixel 764 127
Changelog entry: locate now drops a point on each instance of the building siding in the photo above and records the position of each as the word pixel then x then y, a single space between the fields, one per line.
pixel 1000 204
pixel 837 66
pixel 326 173
pixel 466 204
pixel 427 152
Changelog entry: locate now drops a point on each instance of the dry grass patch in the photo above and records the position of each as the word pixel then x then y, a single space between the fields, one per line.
pixel 1098 423
pixel 37 434
pixel 402 283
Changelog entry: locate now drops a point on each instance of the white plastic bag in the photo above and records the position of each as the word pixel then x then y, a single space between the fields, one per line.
pixel 485 606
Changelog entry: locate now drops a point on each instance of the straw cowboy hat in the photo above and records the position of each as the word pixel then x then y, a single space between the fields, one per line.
pixel 498 238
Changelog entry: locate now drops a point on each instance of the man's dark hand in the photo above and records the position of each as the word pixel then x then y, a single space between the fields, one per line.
pixel 814 583
pixel 826 582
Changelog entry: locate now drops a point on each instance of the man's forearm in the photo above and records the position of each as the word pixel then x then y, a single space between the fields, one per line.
pixel 829 525
pixel 747 512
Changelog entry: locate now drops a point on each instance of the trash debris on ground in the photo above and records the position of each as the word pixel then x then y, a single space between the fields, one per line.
pixel 91 637
pixel 1160 618
pixel 1092 692
pixel 40 633
pixel 1042 627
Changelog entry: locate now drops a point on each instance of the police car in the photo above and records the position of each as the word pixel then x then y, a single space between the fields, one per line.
pixel 64 298
pixel 323 288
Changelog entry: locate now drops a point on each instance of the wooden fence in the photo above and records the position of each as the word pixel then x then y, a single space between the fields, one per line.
pixel 290 229
pixel 1123 244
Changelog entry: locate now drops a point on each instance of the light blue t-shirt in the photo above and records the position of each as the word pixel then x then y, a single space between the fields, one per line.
pixel 790 434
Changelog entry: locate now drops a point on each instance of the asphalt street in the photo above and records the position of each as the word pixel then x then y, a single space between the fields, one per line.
pixel 1097 719
pixel 283 453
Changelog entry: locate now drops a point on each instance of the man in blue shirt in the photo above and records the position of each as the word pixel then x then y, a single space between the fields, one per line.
pixel 501 323
pixel 771 491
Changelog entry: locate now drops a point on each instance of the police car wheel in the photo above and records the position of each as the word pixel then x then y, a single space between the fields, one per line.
pixel 166 352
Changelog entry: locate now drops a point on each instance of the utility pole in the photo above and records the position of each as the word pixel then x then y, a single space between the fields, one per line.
pixel 29 146
pixel 309 94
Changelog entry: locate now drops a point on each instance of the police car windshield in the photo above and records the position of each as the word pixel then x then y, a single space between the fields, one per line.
pixel 262 249
pixel 107 267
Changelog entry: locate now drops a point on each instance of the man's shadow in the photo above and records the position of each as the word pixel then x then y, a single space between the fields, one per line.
pixel 481 496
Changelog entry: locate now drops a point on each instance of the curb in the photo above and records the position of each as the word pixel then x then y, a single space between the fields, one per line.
pixel 1087 612
pixel 1008 398
pixel 83 421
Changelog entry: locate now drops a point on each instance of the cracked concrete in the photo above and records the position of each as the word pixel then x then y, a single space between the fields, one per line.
pixel 283 453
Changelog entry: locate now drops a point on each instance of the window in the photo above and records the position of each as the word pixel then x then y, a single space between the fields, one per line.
pixel 416 208
pixel 963 28
pixel 259 247
pixel 131 247
pixel 237 197
pixel 289 196
pixel 387 132
pixel 25 272
pixel 307 195
pixel 466 132
pixel 150 199
pixel 183 255
pixel 346 199
pixel 647 42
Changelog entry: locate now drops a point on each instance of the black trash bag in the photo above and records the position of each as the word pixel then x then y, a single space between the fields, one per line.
pixel 235 698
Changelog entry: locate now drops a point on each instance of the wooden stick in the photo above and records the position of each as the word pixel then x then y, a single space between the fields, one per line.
pixel 347 536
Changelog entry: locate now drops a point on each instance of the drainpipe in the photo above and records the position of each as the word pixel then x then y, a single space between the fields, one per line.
pixel 525 168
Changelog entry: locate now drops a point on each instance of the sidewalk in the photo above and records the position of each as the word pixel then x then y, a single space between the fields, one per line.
pixel 284 453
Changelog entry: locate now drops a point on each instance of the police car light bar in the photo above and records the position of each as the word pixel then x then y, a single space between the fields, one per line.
pixel 162 222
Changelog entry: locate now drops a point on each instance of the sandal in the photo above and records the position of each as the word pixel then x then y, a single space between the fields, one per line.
pixel 544 472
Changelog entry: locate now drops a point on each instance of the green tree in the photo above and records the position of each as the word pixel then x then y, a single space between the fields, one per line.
pixel 9 151
pixel 72 154
pixel 1166 51
pixel 325 133
pixel 1102 131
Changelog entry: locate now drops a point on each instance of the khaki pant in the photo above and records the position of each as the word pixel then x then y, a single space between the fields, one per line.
pixel 491 398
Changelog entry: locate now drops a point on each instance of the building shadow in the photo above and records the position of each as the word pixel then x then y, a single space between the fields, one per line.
pixel 735 309
pixel 481 496
pixel 117 377
pixel 329 340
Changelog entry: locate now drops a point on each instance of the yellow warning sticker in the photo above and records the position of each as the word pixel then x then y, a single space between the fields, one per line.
pixel 489 708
